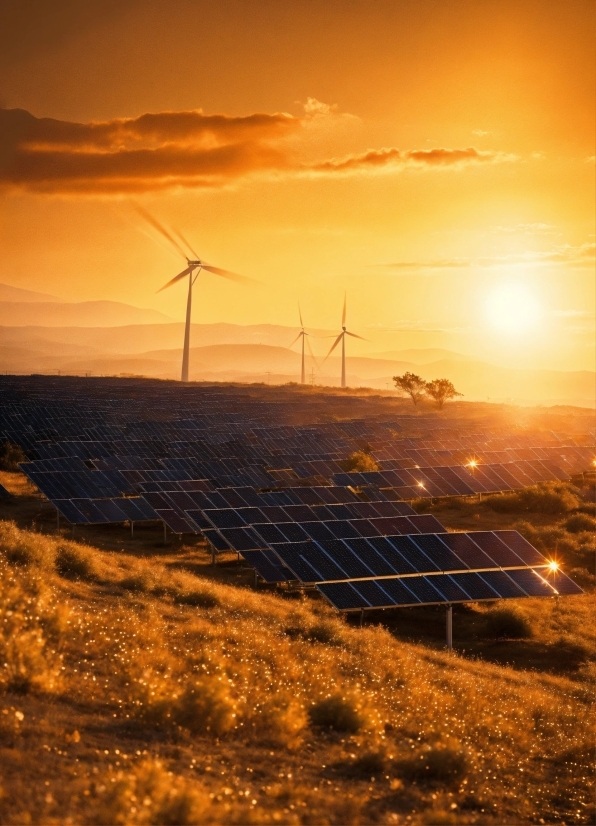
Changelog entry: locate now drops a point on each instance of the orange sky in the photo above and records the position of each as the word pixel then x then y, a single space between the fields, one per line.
pixel 434 158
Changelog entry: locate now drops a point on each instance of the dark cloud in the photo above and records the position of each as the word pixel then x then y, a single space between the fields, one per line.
pixel 379 158
pixel 150 152
pixel 176 149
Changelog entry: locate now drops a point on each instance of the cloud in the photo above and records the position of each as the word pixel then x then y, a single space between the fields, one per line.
pixel 375 159
pixel 186 149
pixel 567 254
pixel 535 228
pixel 151 152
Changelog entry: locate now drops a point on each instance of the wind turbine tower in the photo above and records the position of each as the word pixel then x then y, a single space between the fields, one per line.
pixel 303 335
pixel 342 337
pixel 194 267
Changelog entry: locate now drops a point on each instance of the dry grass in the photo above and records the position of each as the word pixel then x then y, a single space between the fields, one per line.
pixel 154 696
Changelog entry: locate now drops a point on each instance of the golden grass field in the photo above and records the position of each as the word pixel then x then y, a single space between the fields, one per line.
pixel 141 685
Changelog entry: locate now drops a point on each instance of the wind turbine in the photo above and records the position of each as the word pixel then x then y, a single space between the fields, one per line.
pixel 194 267
pixel 342 337
pixel 303 335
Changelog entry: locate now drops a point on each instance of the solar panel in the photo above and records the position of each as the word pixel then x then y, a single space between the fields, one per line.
pixel 374 595
pixel 350 564
pixel 532 583
pixel 342 596
pixel 560 582
pixel 266 565
pixel 423 588
pixel 467 550
pixel 436 550
pixel 498 551
pixel 502 584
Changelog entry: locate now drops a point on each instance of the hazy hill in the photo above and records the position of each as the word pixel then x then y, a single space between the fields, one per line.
pixel 423 355
pixel 66 314
pixel 139 338
pixel 8 293
pixel 231 352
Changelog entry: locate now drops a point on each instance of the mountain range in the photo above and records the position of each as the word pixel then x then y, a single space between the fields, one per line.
pixel 110 338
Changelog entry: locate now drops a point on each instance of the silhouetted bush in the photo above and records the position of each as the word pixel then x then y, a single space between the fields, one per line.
pixel 507 623
pixel 548 497
pixel 441 762
pixel 10 456
pixel 359 462
pixel 580 522
pixel 75 562
pixel 337 713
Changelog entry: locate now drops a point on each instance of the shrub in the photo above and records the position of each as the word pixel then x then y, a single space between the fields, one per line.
pixel 359 462
pixel 26 548
pixel 338 713
pixel 548 497
pixel 445 762
pixel 10 457
pixel 507 623
pixel 30 628
pixel 580 522
pixel 75 562
pixel 198 597
pixel 280 722
pixel 369 764
pixel 148 794
pixel 203 706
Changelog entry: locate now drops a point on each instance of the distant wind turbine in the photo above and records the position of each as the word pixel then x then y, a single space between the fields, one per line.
pixel 304 336
pixel 342 337
pixel 192 270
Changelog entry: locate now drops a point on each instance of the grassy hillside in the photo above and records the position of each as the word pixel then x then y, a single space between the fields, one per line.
pixel 140 685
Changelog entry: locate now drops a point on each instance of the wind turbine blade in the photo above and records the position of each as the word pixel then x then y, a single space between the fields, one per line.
pixel 343 315
pixel 355 336
pixel 176 278
pixel 241 279
pixel 296 339
pixel 156 225
pixel 300 314
pixel 184 241
pixel 336 342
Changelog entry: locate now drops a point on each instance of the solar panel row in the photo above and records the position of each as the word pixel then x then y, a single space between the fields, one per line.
pixel 447 589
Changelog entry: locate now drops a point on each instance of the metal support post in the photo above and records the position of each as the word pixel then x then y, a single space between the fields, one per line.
pixel 449 627
pixel 132 528
pixel 57 520
pixel 256 580
pixel 213 555
pixel 361 617
pixel 165 533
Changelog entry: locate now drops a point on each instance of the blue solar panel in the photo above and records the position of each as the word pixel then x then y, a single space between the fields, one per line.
pixel 532 583
pixel 440 554
pixel 560 582
pixel 352 566
pixel 342 596
pixel 414 555
pixel 372 593
pixel 398 592
pixel 423 588
pixel 500 582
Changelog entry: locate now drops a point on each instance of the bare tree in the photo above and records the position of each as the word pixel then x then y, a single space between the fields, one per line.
pixel 441 390
pixel 411 385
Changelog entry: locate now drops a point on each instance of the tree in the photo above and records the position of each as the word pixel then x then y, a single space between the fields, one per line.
pixel 441 390
pixel 411 385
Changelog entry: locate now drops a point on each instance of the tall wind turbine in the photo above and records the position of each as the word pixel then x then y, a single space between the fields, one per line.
pixel 303 335
pixel 194 267
pixel 342 337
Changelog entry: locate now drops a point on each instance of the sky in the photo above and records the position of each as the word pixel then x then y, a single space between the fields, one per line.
pixel 431 159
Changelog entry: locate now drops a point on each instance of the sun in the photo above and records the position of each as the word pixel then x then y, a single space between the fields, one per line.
pixel 512 308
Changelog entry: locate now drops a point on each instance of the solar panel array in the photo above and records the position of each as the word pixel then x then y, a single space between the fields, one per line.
pixel 265 478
